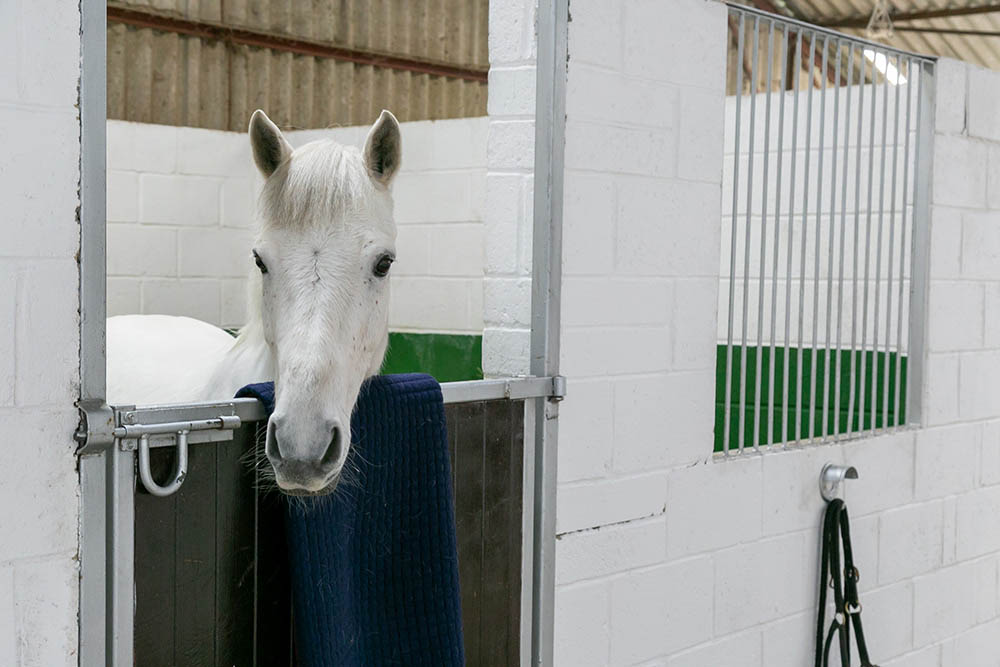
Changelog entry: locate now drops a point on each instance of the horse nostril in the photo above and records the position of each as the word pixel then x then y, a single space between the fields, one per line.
pixel 271 448
pixel 334 449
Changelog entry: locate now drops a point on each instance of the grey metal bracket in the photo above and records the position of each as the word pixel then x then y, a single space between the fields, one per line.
pixel 512 388
pixel 162 422
pixel 830 478
pixel 95 432
pixel 223 427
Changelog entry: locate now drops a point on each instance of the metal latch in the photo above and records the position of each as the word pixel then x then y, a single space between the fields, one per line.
pixel 128 434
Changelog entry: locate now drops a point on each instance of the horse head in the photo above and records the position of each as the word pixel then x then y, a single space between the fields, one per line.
pixel 324 248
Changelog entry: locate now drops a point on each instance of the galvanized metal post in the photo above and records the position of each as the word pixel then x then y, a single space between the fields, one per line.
pixel 550 121
pixel 924 165
pixel 106 474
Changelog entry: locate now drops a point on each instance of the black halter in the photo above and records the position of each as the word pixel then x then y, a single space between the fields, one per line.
pixel 847 608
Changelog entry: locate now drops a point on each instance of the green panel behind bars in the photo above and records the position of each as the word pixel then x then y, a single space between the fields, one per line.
pixel 448 357
pixel 799 406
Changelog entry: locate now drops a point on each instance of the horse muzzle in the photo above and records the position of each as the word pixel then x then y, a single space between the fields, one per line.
pixel 305 461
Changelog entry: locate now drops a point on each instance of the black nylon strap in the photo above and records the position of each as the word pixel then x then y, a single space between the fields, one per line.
pixel 847 608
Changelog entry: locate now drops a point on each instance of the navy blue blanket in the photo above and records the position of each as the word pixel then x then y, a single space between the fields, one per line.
pixel 374 565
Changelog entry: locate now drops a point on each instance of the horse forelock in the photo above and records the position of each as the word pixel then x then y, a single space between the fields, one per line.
pixel 322 182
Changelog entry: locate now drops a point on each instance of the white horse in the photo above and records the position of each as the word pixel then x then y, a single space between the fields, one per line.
pixel 318 316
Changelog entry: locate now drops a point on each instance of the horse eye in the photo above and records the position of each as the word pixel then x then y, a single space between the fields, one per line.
pixel 260 263
pixel 382 266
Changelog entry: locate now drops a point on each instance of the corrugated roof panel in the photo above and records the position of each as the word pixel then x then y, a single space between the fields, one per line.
pixel 159 76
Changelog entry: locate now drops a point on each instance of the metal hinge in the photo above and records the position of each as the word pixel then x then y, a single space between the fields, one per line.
pixel 558 388
pixel 95 432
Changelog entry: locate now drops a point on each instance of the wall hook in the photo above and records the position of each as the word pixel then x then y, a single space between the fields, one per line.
pixel 830 478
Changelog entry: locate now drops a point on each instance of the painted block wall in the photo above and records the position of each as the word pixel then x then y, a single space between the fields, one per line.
pixel 667 555
pixel 39 332
pixel 510 159
pixel 180 222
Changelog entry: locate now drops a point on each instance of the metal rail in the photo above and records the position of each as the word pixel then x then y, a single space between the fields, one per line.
pixel 832 253
pixel 822 30
pixel 134 419
pixel 919 15
pixel 145 427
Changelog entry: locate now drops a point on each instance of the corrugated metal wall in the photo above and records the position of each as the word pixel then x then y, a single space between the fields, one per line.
pixel 164 77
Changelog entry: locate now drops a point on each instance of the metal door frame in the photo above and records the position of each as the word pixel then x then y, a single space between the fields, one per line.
pixel 107 471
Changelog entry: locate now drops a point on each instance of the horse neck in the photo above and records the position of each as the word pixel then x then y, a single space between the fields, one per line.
pixel 248 361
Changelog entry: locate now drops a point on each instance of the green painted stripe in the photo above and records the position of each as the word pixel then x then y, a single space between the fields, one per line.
pixel 794 407
pixel 448 357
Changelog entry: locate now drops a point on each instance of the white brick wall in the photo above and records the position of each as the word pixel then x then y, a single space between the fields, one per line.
pixel 39 332
pixel 509 195
pixel 181 203
pixel 665 555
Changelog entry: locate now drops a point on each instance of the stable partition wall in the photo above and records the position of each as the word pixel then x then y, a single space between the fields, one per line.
pixel 181 205
pixel 670 554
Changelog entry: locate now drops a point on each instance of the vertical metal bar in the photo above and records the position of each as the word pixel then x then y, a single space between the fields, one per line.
pixel 868 248
pixel 727 403
pixel 851 391
pixel 256 553
pixel 546 282
pixel 106 524
pixel 95 551
pixel 831 242
pixel 763 241
pixel 817 244
pixel 800 386
pixel 923 165
pixel 777 230
pixel 837 385
pixel 892 248
pixel 93 200
pixel 902 241
pixel 747 235
pixel 527 533
pixel 121 589
pixel 791 225
pixel 876 314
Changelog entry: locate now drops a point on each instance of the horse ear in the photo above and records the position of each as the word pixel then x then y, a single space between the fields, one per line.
pixel 383 149
pixel 269 147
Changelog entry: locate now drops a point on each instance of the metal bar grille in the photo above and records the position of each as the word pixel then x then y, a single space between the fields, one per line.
pixel 821 166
